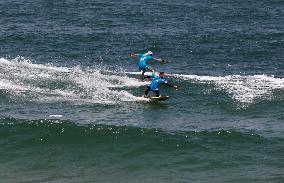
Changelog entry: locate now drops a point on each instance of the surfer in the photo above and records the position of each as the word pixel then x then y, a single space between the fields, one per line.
pixel 155 83
pixel 143 62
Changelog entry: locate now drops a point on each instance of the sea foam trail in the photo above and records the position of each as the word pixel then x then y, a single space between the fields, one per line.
pixel 21 78
pixel 243 89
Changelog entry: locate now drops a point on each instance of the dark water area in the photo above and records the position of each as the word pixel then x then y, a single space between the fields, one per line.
pixel 70 97
pixel 102 153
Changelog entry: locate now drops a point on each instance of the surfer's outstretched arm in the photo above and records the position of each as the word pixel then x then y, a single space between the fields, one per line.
pixel 171 85
pixel 159 60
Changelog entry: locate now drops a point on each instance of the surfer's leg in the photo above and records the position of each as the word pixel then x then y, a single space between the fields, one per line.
pixel 146 91
pixel 142 76
pixel 157 93
pixel 150 69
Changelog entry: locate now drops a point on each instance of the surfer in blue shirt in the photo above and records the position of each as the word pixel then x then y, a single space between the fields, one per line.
pixel 155 83
pixel 143 62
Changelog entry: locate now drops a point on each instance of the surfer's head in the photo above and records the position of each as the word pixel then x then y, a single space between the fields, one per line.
pixel 150 53
pixel 161 74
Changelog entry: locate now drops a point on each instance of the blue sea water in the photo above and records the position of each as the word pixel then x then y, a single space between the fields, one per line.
pixel 70 97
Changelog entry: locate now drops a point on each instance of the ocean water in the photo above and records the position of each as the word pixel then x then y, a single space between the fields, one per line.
pixel 70 97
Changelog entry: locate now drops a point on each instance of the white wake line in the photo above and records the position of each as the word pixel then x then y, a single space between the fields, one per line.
pixel 27 64
pixel 192 76
pixel 265 78
pixel 48 71
pixel 242 88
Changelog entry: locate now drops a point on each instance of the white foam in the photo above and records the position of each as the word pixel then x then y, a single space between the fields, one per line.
pixel 244 89
pixel 39 82
pixel 9 85
pixel 56 116
pixel 47 83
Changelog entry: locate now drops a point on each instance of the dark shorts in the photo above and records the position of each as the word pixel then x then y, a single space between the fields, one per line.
pixel 157 92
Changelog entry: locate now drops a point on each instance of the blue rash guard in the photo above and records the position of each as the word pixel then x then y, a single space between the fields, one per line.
pixel 143 62
pixel 155 83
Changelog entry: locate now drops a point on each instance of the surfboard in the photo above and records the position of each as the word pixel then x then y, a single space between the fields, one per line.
pixel 160 98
